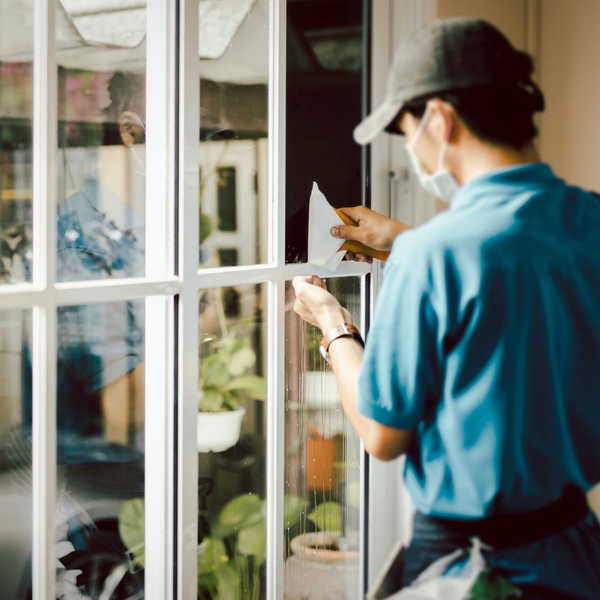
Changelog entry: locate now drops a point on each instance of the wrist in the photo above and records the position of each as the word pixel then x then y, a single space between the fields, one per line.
pixel 332 320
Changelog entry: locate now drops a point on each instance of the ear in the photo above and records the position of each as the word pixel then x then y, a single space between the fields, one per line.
pixel 128 128
pixel 443 119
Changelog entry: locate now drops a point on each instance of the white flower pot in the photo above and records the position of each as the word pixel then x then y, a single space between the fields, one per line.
pixel 217 432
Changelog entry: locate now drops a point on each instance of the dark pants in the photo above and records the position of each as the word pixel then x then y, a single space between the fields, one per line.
pixel 561 565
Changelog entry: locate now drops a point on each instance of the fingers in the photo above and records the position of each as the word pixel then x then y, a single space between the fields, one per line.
pixel 355 212
pixel 347 232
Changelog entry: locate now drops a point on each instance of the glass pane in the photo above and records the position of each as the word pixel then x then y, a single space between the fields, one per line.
pixel 234 71
pixel 101 139
pixel 16 137
pixel 15 456
pixel 324 94
pixel 100 417
pixel 322 467
pixel 231 443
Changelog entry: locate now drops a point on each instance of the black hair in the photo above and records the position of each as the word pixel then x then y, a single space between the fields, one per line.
pixel 499 115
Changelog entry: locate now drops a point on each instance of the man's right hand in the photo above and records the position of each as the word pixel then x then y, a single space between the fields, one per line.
pixel 374 230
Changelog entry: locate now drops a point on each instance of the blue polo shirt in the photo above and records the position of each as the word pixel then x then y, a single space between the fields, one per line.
pixel 486 343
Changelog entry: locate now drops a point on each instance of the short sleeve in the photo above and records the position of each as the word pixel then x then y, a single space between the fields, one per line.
pixel 401 371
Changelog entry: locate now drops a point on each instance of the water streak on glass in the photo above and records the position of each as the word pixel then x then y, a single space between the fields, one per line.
pixel 231 435
pixel 322 466
pixel 234 72
pixel 16 139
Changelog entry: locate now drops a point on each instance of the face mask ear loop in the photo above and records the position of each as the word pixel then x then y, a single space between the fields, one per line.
pixel 443 151
pixel 421 127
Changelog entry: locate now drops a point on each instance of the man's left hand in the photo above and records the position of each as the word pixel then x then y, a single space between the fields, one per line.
pixel 316 305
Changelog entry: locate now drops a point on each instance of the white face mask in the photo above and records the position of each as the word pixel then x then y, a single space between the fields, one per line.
pixel 440 184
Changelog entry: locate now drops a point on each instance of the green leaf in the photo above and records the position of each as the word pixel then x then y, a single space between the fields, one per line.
pixel 253 541
pixel 212 401
pixel 241 360
pixel 229 581
pixel 131 528
pixel 253 385
pixel 327 516
pixel 214 372
pixel 293 506
pixel 205 226
pixel 211 555
pixel 241 511
pixel 491 585
pixel 233 399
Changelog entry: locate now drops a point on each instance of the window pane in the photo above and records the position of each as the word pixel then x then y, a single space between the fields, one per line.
pixel 101 139
pixel 16 137
pixel 100 418
pixel 234 71
pixel 15 456
pixel 322 467
pixel 324 91
pixel 231 443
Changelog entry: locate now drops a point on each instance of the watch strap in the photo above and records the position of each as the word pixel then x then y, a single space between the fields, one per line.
pixel 343 330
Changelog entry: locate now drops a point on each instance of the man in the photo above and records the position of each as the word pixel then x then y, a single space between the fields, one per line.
pixel 479 365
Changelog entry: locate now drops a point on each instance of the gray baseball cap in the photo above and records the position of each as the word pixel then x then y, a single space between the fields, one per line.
pixel 448 54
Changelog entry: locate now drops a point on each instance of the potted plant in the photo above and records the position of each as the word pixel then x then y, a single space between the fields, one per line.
pixel 226 383
pixel 231 556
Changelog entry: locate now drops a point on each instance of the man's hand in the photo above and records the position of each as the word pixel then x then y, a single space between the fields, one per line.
pixel 374 230
pixel 316 305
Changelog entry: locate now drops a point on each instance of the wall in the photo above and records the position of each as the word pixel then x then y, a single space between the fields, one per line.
pixel 569 51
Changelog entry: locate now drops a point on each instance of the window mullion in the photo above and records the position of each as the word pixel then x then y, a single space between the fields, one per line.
pixel 44 313
pixel 187 384
pixel 276 301
pixel 160 358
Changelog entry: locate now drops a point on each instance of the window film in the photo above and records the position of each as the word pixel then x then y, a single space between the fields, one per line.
pixel 234 72
pixel 232 443
pixel 100 449
pixel 322 466
pixel 15 455
pixel 101 177
pixel 16 138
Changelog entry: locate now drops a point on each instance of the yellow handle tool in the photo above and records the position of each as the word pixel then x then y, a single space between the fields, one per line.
pixel 357 247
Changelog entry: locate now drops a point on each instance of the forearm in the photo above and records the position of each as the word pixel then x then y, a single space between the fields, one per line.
pixel 346 357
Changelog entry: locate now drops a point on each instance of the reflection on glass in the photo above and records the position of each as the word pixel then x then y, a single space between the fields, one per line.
pixel 231 444
pixel 322 467
pixel 234 68
pixel 324 92
pixel 101 140
pixel 16 133
pixel 15 458
pixel 100 450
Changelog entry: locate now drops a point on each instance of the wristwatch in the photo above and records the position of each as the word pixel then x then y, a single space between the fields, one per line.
pixel 343 330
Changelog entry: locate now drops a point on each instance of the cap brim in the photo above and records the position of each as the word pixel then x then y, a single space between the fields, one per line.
pixel 376 122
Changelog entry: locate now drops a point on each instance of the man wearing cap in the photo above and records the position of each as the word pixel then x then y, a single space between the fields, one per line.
pixel 480 363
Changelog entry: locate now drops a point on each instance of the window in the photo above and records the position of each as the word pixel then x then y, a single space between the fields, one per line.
pixel 171 430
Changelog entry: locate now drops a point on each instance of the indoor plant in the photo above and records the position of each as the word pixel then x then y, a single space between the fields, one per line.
pixel 226 382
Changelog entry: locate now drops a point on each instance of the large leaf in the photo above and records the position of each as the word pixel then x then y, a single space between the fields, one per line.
pixel 253 541
pixel 241 360
pixel 214 372
pixel 211 555
pixel 240 512
pixel 131 528
pixel 212 401
pixel 253 385
pixel 327 516
pixel 293 507
pixel 230 581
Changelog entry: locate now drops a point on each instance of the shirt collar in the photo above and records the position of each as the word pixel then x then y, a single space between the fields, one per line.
pixel 519 176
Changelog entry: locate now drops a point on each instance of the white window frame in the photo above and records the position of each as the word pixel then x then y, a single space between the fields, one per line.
pixel 171 296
